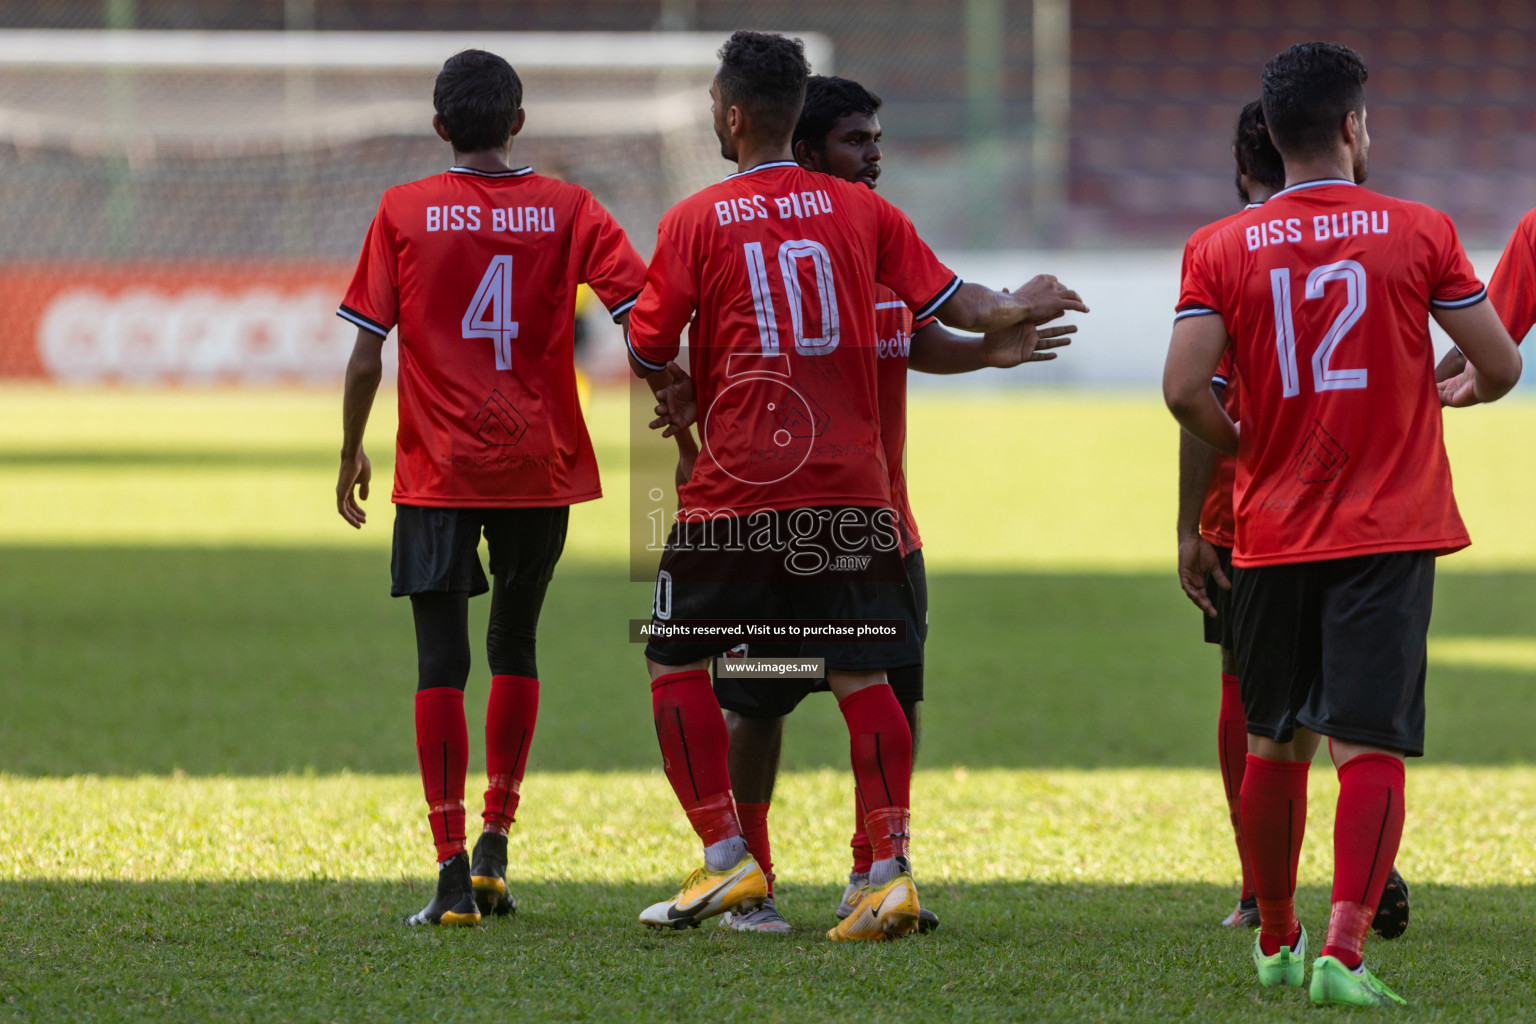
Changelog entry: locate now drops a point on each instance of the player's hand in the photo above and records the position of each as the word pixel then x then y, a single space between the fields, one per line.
pixel 1196 558
pixel 677 406
pixel 1461 390
pixel 355 471
pixel 1049 298
pixel 1025 343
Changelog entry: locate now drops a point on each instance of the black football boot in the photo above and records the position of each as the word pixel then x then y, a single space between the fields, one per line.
pixel 454 903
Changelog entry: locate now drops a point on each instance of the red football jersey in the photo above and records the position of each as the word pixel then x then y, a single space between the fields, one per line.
pixel 479 271
pixel 1217 523
pixel 894 327
pixel 780 265
pixel 1326 292
pixel 1512 288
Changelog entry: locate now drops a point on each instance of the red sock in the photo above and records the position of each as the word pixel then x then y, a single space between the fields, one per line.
pixel 1367 828
pixel 442 751
pixel 1274 813
pixel 694 748
pixel 754 829
pixel 863 853
pixel 1232 749
pixel 510 715
pixel 881 744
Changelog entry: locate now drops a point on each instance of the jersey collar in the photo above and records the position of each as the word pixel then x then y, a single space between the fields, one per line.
pixel 761 167
pixel 1319 183
pixel 518 173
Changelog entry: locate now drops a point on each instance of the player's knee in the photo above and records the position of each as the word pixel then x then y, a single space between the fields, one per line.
pixel 442 665
pixel 511 638
pixel 442 640
pixel 512 652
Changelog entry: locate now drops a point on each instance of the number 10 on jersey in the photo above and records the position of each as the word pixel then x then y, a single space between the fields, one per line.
pixel 490 312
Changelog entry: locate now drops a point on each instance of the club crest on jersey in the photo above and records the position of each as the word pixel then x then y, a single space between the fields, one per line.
pixel 1321 457
pixel 498 423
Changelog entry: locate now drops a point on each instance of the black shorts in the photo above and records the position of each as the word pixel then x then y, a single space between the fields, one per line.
pixel 437 549
pixel 703 576
pixel 1336 646
pixel 775 698
pixel 1219 629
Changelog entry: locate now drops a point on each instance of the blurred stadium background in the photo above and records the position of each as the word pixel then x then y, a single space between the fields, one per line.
pixel 184 201
pixel 208 806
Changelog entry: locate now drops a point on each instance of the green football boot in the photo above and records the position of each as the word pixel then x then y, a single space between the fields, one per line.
pixel 1333 984
pixel 1287 967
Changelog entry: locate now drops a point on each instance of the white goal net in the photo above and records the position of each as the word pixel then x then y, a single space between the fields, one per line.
pixel 186 207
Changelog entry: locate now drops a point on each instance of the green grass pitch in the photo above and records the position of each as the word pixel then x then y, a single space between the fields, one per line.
pixel 208 808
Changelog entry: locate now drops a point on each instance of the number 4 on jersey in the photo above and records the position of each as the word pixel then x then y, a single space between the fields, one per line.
pixel 490 312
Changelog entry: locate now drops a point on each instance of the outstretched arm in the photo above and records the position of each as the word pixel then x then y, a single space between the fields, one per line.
pixel 936 350
pixel 975 307
pixel 364 371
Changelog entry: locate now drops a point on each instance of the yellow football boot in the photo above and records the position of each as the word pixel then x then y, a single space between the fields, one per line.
pixel 707 893
pixel 887 912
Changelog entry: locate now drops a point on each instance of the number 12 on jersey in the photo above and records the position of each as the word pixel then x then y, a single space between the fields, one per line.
pixel 1324 377
pixel 490 312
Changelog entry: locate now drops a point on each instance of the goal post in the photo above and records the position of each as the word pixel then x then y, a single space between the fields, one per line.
pixel 148 178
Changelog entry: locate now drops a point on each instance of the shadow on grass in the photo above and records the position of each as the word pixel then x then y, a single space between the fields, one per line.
pixel 190 458
pixel 338 951
pixel 246 661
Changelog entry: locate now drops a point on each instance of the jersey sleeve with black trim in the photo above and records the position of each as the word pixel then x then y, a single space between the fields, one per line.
pixel 665 305
pixel 372 299
pixel 1456 285
pixel 907 266
pixel 609 262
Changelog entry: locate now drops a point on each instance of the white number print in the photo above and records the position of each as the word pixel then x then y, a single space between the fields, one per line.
pixel 790 253
pixel 661 605
pixel 490 312
pixel 1324 376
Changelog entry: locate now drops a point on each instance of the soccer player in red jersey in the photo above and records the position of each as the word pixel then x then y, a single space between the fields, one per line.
pixel 1205 536
pixel 478 269
pixel 787 514
pixel 1343 491
pixel 839 134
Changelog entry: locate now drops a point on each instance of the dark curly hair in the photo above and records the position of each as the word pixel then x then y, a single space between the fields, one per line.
pixel 1256 151
pixel 1308 91
pixel 828 99
pixel 477 96
pixel 764 74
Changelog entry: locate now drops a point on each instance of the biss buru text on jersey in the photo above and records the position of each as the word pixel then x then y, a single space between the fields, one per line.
pixel 1324 227
pixel 516 219
pixel 756 207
